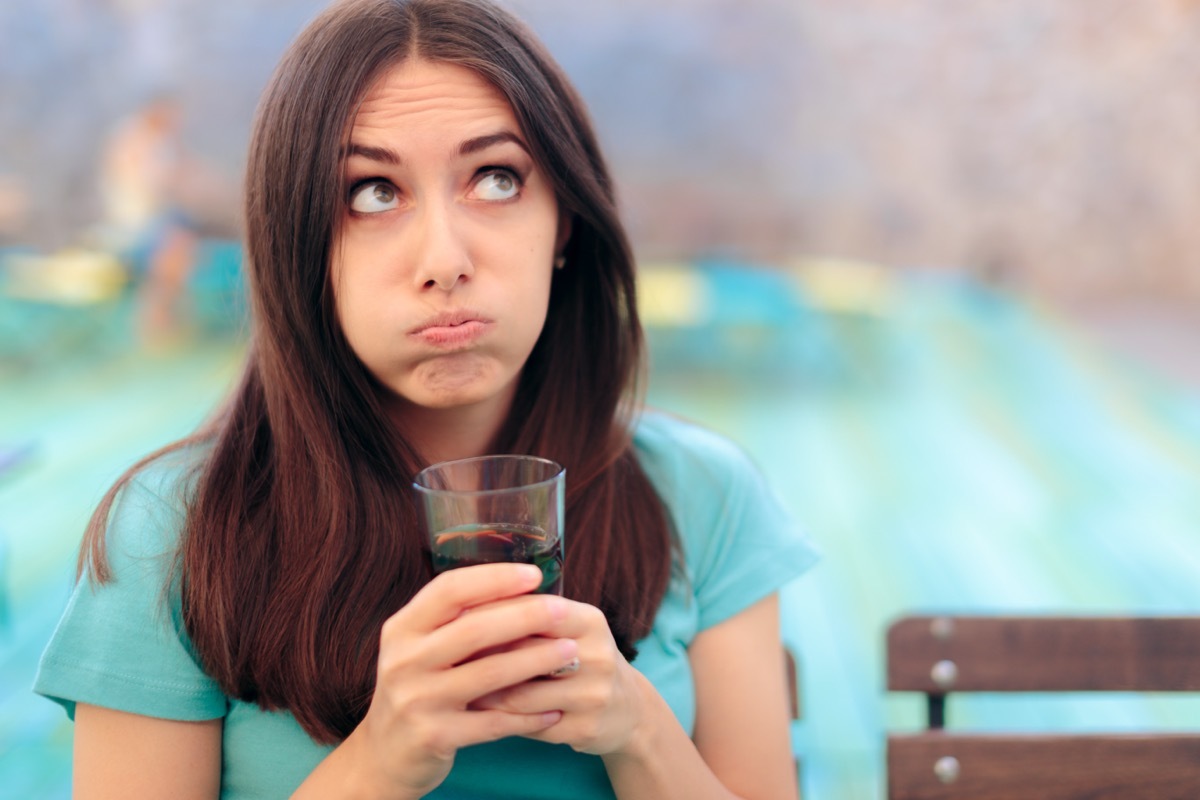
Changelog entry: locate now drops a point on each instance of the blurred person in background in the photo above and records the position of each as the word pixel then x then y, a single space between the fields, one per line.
pixel 437 271
pixel 14 209
pixel 143 173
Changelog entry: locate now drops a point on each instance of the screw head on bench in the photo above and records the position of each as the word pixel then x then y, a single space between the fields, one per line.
pixel 944 674
pixel 946 769
pixel 941 627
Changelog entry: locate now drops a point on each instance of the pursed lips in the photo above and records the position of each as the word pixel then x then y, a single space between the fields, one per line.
pixel 451 329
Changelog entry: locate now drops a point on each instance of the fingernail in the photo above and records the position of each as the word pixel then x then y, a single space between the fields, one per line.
pixel 530 574
pixel 568 648
pixel 551 717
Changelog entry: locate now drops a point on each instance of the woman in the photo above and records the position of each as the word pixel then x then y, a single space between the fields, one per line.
pixel 437 271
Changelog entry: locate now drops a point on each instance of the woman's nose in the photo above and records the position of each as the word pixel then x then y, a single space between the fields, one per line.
pixel 440 253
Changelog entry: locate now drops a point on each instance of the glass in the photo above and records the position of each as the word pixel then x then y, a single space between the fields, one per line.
pixel 494 508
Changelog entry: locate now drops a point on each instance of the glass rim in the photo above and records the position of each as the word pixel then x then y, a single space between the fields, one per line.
pixel 558 472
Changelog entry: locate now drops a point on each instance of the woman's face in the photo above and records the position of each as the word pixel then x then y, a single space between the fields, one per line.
pixel 441 273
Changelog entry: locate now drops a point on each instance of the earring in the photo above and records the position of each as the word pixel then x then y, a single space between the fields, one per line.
pixel 560 262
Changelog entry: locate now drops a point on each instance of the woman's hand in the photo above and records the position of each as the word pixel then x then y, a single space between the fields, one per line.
pixel 601 702
pixel 449 646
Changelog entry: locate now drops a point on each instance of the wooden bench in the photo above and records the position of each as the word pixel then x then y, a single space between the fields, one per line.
pixel 941 655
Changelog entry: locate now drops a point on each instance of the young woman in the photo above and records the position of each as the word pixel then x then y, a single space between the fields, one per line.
pixel 437 271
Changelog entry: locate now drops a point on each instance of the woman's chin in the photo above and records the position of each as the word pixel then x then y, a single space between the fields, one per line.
pixel 447 390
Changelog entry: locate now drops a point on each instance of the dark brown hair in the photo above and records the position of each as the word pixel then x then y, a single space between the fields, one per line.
pixel 301 536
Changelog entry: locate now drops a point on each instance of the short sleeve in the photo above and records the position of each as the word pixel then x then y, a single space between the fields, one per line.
pixel 121 644
pixel 752 549
pixel 740 544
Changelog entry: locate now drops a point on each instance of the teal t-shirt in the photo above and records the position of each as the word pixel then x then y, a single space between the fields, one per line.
pixel 122 644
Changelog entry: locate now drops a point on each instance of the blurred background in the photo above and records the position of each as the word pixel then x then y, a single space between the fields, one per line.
pixel 933 264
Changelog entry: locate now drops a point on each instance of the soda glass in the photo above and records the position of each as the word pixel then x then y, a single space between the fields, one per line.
pixel 494 508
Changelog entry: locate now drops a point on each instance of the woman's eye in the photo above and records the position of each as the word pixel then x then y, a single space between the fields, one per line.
pixel 373 197
pixel 498 184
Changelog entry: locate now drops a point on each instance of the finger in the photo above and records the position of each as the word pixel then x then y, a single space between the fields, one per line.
pixel 449 594
pixel 492 627
pixel 570 668
pixel 476 727
pixel 528 697
pixel 488 675
pixel 510 647
pixel 581 620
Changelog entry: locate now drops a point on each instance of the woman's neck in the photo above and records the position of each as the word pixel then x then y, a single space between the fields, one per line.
pixel 444 434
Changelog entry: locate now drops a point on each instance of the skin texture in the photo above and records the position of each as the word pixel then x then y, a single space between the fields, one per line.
pixel 122 755
pixel 433 230
pixel 447 215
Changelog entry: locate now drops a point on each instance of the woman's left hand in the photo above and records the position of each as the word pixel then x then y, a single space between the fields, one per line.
pixel 602 701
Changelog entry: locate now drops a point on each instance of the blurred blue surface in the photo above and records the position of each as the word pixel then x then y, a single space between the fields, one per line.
pixel 949 448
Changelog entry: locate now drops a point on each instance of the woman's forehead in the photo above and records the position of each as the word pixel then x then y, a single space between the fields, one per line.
pixel 422 92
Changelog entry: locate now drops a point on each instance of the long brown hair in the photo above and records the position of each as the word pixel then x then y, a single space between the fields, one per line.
pixel 301 536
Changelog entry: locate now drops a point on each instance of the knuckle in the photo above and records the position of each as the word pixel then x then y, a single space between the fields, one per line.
pixel 394 661
pixel 602 668
pixel 598 696
pixel 553 608
pixel 391 626
pixel 430 738
pixel 588 732
pixel 605 663
pixel 594 616
pixel 399 700
pixel 449 585
pixel 389 665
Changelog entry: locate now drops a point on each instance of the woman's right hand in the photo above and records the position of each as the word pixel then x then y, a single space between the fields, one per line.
pixel 451 644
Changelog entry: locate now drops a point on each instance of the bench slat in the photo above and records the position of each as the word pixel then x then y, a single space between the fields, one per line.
pixel 1045 653
pixel 1044 767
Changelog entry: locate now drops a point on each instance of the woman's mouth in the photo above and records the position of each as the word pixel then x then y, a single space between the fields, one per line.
pixel 454 329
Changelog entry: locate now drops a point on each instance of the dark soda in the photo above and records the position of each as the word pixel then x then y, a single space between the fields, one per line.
pixel 491 543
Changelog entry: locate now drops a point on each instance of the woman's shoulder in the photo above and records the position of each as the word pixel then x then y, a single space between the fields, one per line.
pixel 679 453
pixel 150 508
pixel 169 476
pixel 172 473
pixel 739 540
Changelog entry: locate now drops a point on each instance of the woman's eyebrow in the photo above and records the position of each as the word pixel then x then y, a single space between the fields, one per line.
pixel 380 154
pixel 479 143
pixel 385 155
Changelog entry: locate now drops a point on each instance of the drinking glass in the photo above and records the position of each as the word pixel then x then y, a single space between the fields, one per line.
pixel 495 508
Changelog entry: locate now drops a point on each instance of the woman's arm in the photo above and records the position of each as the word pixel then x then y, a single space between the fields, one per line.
pixel 453 642
pixel 742 727
pixel 436 656
pixel 120 755
pixel 741 744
